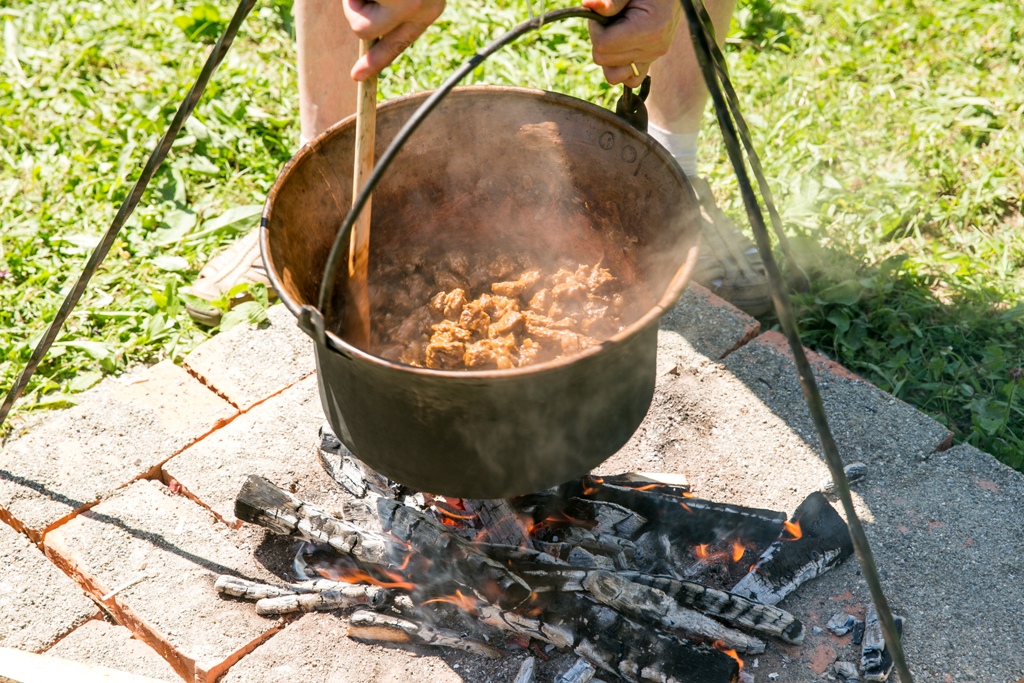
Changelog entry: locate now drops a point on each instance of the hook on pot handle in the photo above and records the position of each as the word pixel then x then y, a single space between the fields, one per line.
pixel 341 240
pixel 631 107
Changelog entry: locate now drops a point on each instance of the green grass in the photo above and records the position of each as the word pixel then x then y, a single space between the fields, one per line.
pixel 891 133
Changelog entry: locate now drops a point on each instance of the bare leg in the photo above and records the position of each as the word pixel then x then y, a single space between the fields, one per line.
pixel 678 94
pixel 327 49
pixel 728 262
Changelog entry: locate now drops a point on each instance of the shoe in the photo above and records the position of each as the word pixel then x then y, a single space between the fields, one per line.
pixel 729 264
pixel 238 264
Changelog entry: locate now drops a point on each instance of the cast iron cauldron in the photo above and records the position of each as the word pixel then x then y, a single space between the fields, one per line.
pixel 491 165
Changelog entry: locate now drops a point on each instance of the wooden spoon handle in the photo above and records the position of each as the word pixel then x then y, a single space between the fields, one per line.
pixel 357 305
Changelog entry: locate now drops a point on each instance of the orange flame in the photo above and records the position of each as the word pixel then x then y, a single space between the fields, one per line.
pixel 591 485
pixel 464 602
pixel 686 507
pixel 738 549
pixel 701 551
pixel 449 513
pixel 720 646
pixel 794 530
pixel 358 576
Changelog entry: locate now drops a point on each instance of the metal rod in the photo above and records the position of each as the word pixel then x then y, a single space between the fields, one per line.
pixel 705 46
pixel 128 205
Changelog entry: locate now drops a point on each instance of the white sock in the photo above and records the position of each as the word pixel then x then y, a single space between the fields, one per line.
pixel 682 146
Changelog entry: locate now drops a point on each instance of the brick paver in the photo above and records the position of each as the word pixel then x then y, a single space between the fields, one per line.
pixel 120 431
pixel 38 603
pixel 101 643
pixel 275 439
pixel 246 365
pixel 170 551
pixel 701 322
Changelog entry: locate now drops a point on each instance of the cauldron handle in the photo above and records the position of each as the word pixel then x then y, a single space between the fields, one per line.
pixel 316 322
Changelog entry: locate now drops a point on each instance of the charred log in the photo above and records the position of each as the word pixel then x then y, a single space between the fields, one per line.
pixel 320 595
pixel 664 483
pixel 343 597
pixel 692 521
pixel 823 543
pixel 383 628
pixel 261 502
pixel 615 643
pixel 876 661
pixel 497 522
pixel 729 607
pixel 609 518
pixel 455 559
pixel 649 605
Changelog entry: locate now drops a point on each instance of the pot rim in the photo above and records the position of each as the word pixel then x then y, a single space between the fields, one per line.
pixel 337 344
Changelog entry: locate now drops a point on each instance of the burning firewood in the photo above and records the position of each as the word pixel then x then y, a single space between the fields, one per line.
pixel 572 571
pixel 466 566
pixel 260 502
pixel 816 540
pixel 729 607
pixel 308 596
pixel 383 628
pixel 615 643
pixel 691 520
pixel 650 605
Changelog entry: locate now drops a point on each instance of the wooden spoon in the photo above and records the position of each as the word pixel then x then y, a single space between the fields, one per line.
pixel 357 305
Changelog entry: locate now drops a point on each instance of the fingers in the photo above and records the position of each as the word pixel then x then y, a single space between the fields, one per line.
pixel 396 22
pixel 642 32
pixel 386 50
pixel 624 74
pixel 606 8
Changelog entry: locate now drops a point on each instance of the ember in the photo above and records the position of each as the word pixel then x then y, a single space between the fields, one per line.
pixel 602 567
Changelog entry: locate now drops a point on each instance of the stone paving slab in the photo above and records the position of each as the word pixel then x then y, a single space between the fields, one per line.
pixel 38 603
pixel 276 439
pixel 120 431
pixel 177 549
pixel 704 323
pixel 246 365
pixel 101 643
pixel 944 525
pixel 948 539
pixel 315 649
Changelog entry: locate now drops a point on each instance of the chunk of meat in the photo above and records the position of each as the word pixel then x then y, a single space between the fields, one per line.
pixel 444 354
pixel 529 351
pixel 447 346
pixel 449 304
pixel 474 318
pixel 541 301
pixel 512 321
pixel 497 352
pixel 514 288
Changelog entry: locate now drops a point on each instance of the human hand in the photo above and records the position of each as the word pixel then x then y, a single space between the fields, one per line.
pixel 397 23
pixel 643 32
